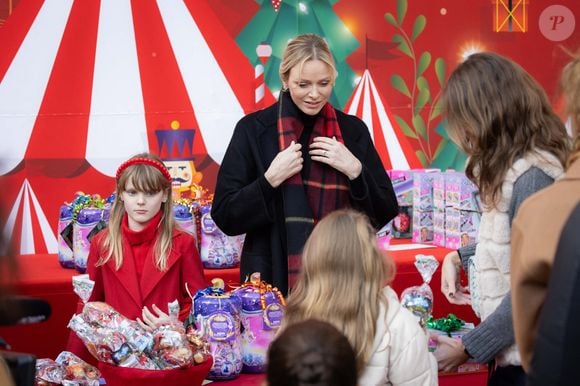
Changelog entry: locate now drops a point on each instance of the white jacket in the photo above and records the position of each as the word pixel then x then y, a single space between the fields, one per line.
pixel 400 356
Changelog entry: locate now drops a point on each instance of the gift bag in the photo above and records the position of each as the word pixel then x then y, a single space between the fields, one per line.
pixel 419 299
pixel 89 221
pixel 217 315
pixel 218 250
pixel 65 236
pixel 261 316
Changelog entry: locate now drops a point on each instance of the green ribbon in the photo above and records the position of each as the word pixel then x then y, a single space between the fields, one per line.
pixel 449 324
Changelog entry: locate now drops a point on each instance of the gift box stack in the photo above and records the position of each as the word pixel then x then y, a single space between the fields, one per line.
pixel 462 211
pixel 439 205
pixel 423 205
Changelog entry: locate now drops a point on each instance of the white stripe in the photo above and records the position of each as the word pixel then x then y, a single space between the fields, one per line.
pixel 24 84
pixel 47 235
pixel 367 114
pixel 27 235
pixel 217 108
pixel 10 223
pixel 117 128
pixel 396 154
pixel 260 88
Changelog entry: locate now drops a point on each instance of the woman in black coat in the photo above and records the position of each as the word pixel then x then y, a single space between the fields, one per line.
pixel 292 163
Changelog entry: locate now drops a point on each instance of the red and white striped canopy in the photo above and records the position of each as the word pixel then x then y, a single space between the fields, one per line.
pixel 391 143
pixel 92 80
pixel 85 84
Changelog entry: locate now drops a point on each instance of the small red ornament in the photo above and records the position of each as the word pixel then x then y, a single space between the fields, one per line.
pixel 276 4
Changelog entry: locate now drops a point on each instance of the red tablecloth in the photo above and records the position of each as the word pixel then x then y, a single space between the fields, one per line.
pixel 41 276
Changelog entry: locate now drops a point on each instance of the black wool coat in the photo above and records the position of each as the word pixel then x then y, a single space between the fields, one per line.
pixel 245 202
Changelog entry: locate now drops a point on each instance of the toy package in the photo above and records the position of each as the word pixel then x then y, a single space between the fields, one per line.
pixel 422 226
pixel 261 316
pixel 218 250
pixel 216 315
pixel 65 242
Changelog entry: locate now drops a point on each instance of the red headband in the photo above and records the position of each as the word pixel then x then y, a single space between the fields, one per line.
pixel 144 161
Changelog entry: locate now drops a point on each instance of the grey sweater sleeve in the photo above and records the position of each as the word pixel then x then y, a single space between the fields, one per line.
pixel 496 333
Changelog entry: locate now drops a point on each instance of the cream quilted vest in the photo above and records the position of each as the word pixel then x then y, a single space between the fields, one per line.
pixel 489 268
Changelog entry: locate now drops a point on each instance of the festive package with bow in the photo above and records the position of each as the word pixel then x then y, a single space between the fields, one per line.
pixel 262 313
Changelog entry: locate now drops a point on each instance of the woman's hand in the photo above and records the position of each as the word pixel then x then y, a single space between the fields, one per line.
pixel 335 154
pixel 450 278
pixel 450 353
pixel 287 163
pixel 151 321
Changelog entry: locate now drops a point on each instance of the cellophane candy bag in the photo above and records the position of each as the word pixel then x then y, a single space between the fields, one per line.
pixel 419 299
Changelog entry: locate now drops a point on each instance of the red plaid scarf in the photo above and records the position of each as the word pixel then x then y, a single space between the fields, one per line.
pixel 325 190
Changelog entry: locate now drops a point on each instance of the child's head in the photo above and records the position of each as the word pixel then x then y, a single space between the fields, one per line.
pixel 496 112
pixel 142 173
pixel 343 273
pixel 304 48
pixel 311 352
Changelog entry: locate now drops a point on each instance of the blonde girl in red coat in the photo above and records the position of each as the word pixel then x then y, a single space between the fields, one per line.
pixel 142 262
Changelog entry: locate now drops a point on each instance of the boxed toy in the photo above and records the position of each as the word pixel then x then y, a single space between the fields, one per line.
pixel 439 228
pixel 462 193
pixel 423 189
pixel 422 226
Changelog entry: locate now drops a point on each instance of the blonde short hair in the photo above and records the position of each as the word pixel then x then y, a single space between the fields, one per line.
pixel 302 49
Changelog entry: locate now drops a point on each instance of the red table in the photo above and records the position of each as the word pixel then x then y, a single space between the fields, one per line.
pixel 41 276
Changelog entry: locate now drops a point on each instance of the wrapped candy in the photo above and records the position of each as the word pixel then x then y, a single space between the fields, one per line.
pixel 217 316
pixel 77 371
pixel 112 338
pixel 262 313
pixel 218 250
pixel 171 347
pixel 199 344
pixel 83 286
pixel 419 299
pixel 48 372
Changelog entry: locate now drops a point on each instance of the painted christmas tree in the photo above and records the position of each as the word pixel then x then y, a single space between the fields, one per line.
pixel 278 21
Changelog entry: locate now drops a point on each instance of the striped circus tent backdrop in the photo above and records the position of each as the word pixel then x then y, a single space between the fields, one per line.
pixel 21 225
pixel 391 143
pixel 85 84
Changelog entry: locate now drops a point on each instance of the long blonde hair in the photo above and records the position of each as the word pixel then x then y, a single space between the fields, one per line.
pixel 341 281
pixel 570 83
pixel 302 49
pixel 145 178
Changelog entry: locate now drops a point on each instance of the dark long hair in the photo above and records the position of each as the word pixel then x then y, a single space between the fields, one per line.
pixel 496 112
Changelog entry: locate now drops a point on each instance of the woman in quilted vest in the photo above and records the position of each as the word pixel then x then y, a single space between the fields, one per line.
pixel 502 119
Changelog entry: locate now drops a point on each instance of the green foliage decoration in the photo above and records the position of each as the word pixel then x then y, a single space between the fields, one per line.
pixel 425 102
